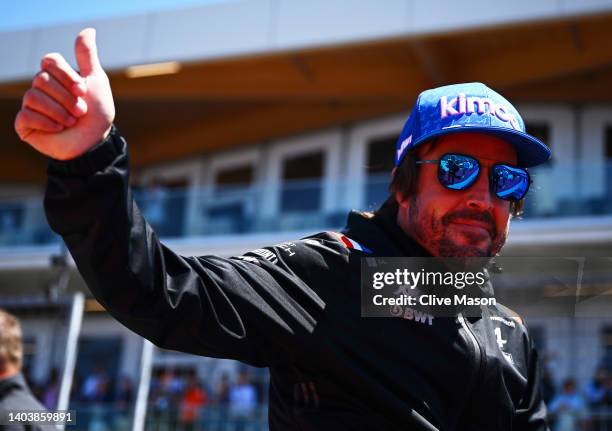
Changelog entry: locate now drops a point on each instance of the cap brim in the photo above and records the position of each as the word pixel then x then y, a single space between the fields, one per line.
pixel 530 151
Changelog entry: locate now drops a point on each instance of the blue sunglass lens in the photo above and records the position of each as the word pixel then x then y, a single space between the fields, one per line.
pixel 510 183
pixel 457 172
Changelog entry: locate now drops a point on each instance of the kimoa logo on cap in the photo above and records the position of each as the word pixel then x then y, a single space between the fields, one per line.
pixel 405 143
pixel 462 105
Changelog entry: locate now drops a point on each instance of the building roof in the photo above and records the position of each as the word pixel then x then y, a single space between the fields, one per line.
pixel 256 71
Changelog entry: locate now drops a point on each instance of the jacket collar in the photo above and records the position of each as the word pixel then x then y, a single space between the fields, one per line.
pixel 9 384
pixel 380 233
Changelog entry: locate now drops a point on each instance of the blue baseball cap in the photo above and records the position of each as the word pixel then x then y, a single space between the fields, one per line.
pixel 470 107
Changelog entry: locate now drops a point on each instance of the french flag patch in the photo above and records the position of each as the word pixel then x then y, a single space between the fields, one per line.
pixel 352 244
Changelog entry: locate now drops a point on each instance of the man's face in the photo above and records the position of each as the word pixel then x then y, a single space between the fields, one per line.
pixel 458 223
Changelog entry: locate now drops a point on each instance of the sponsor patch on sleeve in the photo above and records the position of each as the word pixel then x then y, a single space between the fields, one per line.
pixel 255 256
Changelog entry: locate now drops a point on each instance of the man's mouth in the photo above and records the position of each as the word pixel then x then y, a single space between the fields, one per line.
pixel 475 225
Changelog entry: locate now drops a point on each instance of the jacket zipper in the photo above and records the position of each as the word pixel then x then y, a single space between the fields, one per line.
pixel 477 351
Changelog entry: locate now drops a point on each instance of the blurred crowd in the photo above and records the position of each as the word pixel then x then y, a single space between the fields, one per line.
pixel 178 400
pixel 102 403
pixel 182 401
pixel 574 408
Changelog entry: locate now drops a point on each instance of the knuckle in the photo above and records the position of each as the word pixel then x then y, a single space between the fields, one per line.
pixel 22 122
pixel 29 97
pixel 18 120
pixel 51 59
pixel 41 80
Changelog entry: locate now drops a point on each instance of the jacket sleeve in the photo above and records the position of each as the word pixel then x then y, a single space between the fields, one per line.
pixel 255 309
pixel 532 413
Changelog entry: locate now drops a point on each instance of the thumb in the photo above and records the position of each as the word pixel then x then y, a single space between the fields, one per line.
pixel 86 52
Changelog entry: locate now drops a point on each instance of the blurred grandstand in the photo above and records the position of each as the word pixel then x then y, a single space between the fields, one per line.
pixel 255 122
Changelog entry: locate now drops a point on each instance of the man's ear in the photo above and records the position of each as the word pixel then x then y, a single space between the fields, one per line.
pixel 401 200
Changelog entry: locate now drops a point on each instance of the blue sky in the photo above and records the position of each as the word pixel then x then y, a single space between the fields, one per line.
pixel 24 14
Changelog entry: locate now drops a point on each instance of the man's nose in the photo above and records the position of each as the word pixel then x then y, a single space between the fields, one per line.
pixel 479 195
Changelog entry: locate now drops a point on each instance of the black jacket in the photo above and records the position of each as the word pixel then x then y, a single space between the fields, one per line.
pixel 295 307
pixel 15 396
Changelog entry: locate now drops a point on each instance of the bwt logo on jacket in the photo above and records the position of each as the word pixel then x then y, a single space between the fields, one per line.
pixel 462 105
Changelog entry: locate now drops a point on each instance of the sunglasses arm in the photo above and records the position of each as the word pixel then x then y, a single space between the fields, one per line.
pixel 421 162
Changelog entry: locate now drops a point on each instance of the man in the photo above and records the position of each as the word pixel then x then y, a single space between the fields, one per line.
pixel 15 395
pixel 295 307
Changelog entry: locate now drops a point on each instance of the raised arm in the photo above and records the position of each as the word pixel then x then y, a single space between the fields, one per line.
pixel 253 310
pixel 242 308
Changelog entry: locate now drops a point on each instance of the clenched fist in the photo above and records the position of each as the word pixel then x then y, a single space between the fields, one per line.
pixel 65 113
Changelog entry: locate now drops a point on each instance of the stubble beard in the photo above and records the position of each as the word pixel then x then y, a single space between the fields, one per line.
pixel 440 242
